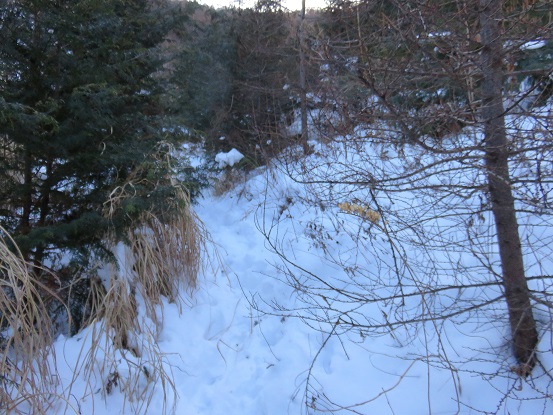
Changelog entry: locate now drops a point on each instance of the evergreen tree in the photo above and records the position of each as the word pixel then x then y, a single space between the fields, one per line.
pixel 201 73
pixel 265 68
pixel 81 115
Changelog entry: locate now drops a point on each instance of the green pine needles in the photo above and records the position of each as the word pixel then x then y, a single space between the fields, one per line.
pixel 87 163
pixel 81 108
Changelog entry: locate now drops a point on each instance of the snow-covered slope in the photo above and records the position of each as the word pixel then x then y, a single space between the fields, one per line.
pixel 228 358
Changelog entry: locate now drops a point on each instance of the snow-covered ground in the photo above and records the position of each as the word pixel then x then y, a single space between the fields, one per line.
pixel 228 358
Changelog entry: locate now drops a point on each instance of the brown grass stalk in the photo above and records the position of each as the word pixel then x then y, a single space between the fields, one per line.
pixel 164 254
pixel 27 382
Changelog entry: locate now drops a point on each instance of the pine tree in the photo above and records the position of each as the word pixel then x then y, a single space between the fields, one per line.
pixel 264 70
pixel 201 72
pixel 81 114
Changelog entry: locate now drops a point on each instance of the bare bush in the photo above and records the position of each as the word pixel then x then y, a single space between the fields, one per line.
pixel 432 215
pixel 407 256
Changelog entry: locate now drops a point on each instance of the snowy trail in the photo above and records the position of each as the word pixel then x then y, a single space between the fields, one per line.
pixel 244 363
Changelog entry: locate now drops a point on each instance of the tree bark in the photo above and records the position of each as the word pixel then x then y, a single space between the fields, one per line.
pixel 303 86
pixel 27 197
pixel 496 149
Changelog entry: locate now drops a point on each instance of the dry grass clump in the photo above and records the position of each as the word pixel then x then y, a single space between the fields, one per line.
pixel 167 257
pixel 121 349
pixel 27 384
pixel 163 255
pixel 230 179
pixel 166 247
pixel 119 315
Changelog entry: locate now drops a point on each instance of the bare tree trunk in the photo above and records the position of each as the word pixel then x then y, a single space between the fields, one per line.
pixel 303 86
pixel 523 325
pixel 27 199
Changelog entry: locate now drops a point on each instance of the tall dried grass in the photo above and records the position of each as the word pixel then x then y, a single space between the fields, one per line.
pixel 27 382
pixel 164 253
pixel 167 257
pixel 166 247
pixel 163 258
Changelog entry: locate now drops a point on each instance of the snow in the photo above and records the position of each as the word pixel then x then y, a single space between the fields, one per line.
pixel 533 44
pixel 228 159
pixel 228 357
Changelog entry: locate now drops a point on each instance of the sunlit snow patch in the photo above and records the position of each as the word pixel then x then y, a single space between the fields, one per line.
pixel 533 44
pixel 228 159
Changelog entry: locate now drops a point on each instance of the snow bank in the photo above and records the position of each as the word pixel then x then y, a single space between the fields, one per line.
pixel 228 358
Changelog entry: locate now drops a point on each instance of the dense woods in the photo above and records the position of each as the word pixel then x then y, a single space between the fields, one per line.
pixel 448 100
pixel 82 111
